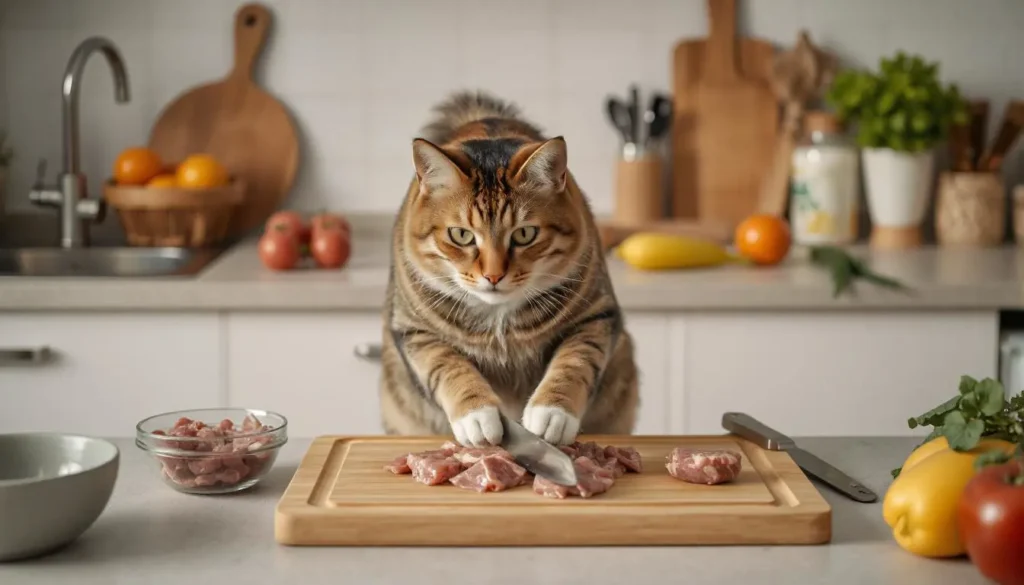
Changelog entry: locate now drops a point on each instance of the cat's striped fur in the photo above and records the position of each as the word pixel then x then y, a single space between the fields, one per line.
pixel 483 311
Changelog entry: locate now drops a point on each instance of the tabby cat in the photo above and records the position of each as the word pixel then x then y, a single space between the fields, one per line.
pixel 499 296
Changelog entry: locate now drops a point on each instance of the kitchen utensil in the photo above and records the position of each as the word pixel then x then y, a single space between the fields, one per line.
pixel 237 122
pixel 195 465
pixel 618 113
pixel 537 455
pixel 978 130
pixel 1009 130
pixel 52 488
pixel 342 495
pixel 725 120
pixel 745 426
pixel 960 148
pixel 658 118
pixel 634 115
pixel 799 76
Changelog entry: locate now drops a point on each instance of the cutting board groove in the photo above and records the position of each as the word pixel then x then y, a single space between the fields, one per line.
pixel 340 495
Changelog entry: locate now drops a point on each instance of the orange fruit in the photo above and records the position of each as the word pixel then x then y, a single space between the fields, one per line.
pixel 164 180
pixel 201 171
pixel 136 166
pixel 763 239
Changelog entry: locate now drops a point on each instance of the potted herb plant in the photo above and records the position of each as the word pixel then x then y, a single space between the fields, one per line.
pixel 902 112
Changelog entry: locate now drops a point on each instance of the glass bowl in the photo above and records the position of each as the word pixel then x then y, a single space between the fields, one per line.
pixel 212 450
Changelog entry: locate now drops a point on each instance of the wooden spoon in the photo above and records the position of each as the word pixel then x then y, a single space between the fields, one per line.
pixel 238 123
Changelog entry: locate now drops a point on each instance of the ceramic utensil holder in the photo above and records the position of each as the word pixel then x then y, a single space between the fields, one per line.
pixel 639 190
pixel 970 209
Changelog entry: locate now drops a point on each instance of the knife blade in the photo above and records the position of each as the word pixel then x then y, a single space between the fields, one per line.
pixel 745 426
pixel 537 455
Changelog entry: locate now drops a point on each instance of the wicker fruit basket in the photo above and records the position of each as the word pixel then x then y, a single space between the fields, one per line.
pixel 175 216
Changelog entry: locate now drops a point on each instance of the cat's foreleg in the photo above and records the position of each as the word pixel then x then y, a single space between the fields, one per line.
pixel 455 384
pixel 557 405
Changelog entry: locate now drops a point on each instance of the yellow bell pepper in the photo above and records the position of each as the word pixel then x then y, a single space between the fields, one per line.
pixel 920 505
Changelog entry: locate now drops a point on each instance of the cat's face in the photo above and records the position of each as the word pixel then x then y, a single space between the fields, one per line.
pixel 493 235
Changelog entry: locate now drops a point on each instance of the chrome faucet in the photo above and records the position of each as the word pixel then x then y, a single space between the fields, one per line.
pixel 70 196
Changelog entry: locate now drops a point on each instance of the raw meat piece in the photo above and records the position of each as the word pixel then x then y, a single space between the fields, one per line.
pixel 591 479
pixel 433 467
pixel 592 451
pixel 469 456
pixel 400 465
pixel 708 467
pixel 571 450
pixel 627 456
pixel 491 473
pixel 615 466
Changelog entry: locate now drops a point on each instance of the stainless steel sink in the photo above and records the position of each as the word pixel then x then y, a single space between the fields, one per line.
pixel 100 261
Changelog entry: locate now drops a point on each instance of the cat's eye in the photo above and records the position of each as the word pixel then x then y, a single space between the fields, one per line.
pixel 461 236
pixel 524 236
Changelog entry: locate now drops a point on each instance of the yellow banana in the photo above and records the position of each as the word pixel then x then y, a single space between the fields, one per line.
pixel 655 251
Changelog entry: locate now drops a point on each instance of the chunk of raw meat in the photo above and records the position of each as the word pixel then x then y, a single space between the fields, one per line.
pixel 627 456
pixel 400 465
pixel 491 473
pixel 469 456
pixel 591 479
pixel 708 467
pixel 433 467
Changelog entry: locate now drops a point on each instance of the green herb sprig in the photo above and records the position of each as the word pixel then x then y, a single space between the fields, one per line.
pixel 844 269
pixel 980 410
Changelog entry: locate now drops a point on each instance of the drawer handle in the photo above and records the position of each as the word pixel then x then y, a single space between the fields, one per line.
pixel 368 351
pixel 24 356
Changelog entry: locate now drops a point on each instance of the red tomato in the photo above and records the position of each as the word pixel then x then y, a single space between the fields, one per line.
pixel 326 220
pixel 279 250
pixel 330 248
pixel 990 517
pixel 293 221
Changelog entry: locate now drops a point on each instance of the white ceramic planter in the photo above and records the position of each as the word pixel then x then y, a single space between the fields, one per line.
pixel 897 186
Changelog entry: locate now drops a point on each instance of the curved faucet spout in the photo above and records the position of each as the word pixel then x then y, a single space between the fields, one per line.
pixel 72 85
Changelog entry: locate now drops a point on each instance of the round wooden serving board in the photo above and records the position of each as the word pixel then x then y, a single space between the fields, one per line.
pixel 237 122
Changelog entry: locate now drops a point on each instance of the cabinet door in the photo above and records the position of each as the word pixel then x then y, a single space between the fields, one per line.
pixel 107 370
pixel 303 366
pixel 650 337
pixel 826 373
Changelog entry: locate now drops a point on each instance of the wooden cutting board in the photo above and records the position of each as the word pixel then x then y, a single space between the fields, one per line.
pixel 341 495
pixel 233 119
pixel 725 121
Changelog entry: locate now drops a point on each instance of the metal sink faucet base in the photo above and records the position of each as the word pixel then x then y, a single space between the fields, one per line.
pixel 70 195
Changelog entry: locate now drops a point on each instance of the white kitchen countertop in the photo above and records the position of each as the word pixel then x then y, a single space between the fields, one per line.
pixel 150 534
pixel 965 279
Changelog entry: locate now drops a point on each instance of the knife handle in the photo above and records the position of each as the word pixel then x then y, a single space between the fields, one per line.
pixel 745 426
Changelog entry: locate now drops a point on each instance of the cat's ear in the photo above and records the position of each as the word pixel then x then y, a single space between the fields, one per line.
pixel 434 169
pixel 543 166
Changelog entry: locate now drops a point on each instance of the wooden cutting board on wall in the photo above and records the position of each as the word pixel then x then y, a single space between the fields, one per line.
pixel 341 496
pixel 726 119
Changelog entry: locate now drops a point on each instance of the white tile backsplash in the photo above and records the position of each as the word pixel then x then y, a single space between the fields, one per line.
pixel 360 76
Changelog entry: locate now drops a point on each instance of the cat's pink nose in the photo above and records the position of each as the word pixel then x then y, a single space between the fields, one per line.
pixel 494 278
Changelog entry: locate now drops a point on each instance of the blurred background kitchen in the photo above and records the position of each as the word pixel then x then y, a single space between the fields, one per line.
pixel 360 76
pixel 81 329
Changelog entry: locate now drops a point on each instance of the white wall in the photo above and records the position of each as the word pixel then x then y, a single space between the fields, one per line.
pixel 360 76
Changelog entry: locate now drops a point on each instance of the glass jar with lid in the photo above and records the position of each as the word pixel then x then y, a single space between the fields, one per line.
pixel 824 183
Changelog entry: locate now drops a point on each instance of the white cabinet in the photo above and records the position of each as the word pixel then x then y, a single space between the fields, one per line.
pixel 652 353
pixel 302 365
pixel 825 373
pixel 108 370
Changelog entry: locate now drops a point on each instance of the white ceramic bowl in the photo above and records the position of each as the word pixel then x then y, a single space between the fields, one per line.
pixel 52 488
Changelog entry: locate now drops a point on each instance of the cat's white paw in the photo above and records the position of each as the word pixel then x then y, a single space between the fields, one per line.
pixel 479 428
pixel 552 423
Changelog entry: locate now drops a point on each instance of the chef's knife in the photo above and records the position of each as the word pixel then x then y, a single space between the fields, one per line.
pixel 537 455
pixel 753 430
